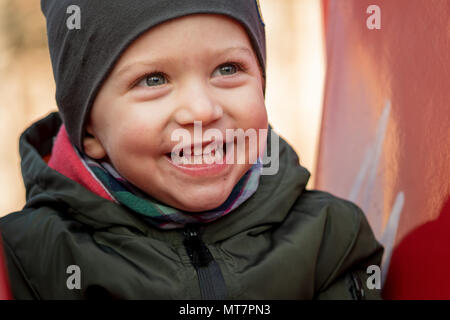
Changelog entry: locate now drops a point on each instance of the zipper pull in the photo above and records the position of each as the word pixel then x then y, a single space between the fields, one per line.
pixel 190 232
pixel 196 249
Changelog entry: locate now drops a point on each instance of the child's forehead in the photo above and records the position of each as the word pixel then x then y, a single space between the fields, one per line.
pixel 210 32
pixel 205 35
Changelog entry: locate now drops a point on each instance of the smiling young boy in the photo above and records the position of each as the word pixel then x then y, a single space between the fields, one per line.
pixel 109 212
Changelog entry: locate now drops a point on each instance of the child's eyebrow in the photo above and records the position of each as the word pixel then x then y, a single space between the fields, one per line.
pixel 171 60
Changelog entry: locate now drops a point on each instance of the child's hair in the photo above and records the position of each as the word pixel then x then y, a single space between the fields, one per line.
pixel 84 53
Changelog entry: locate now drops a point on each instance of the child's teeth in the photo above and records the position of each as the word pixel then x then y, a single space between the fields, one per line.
pixel 208 158
pixel 197 159
pixel 207 153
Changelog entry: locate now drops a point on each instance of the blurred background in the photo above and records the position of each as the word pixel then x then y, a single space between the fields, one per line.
pixel 26 89
pixel 295 73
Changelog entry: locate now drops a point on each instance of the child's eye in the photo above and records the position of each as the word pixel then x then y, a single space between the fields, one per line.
pixel 153 80
pixel 227 69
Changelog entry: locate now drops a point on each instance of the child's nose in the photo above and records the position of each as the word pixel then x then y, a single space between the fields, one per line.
pixel 197 105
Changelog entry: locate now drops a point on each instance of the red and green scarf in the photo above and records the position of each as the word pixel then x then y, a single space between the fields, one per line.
pixel 102 179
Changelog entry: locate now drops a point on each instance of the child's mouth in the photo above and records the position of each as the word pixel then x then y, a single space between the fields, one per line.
pixel 206 156
pixel 209 162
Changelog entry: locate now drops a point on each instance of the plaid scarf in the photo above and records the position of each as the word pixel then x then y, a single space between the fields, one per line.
pixel 157 213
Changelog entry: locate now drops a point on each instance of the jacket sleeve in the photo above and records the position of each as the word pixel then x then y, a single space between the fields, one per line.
pixel 349 276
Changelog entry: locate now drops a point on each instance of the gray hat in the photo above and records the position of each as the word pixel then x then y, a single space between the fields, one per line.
pixel 84 52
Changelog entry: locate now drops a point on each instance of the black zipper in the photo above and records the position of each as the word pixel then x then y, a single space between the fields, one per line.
pixel 210 278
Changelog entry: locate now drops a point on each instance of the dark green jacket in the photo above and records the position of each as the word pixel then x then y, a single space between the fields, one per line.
pixel 285 242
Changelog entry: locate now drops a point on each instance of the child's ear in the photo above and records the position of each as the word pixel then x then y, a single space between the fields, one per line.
pixel 92 145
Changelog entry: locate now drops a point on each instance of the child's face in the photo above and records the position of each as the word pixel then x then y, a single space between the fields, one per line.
pixel 178 72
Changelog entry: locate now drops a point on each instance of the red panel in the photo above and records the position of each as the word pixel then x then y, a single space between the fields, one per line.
pixel 385 139
pixel 4 283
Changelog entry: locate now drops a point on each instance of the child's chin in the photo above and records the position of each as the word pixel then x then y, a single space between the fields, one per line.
pixel 201 208
pixel 206 204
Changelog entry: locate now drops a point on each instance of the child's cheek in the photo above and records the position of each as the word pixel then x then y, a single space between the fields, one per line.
pixel 246 106
pixel 137 139
pixel 255 114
